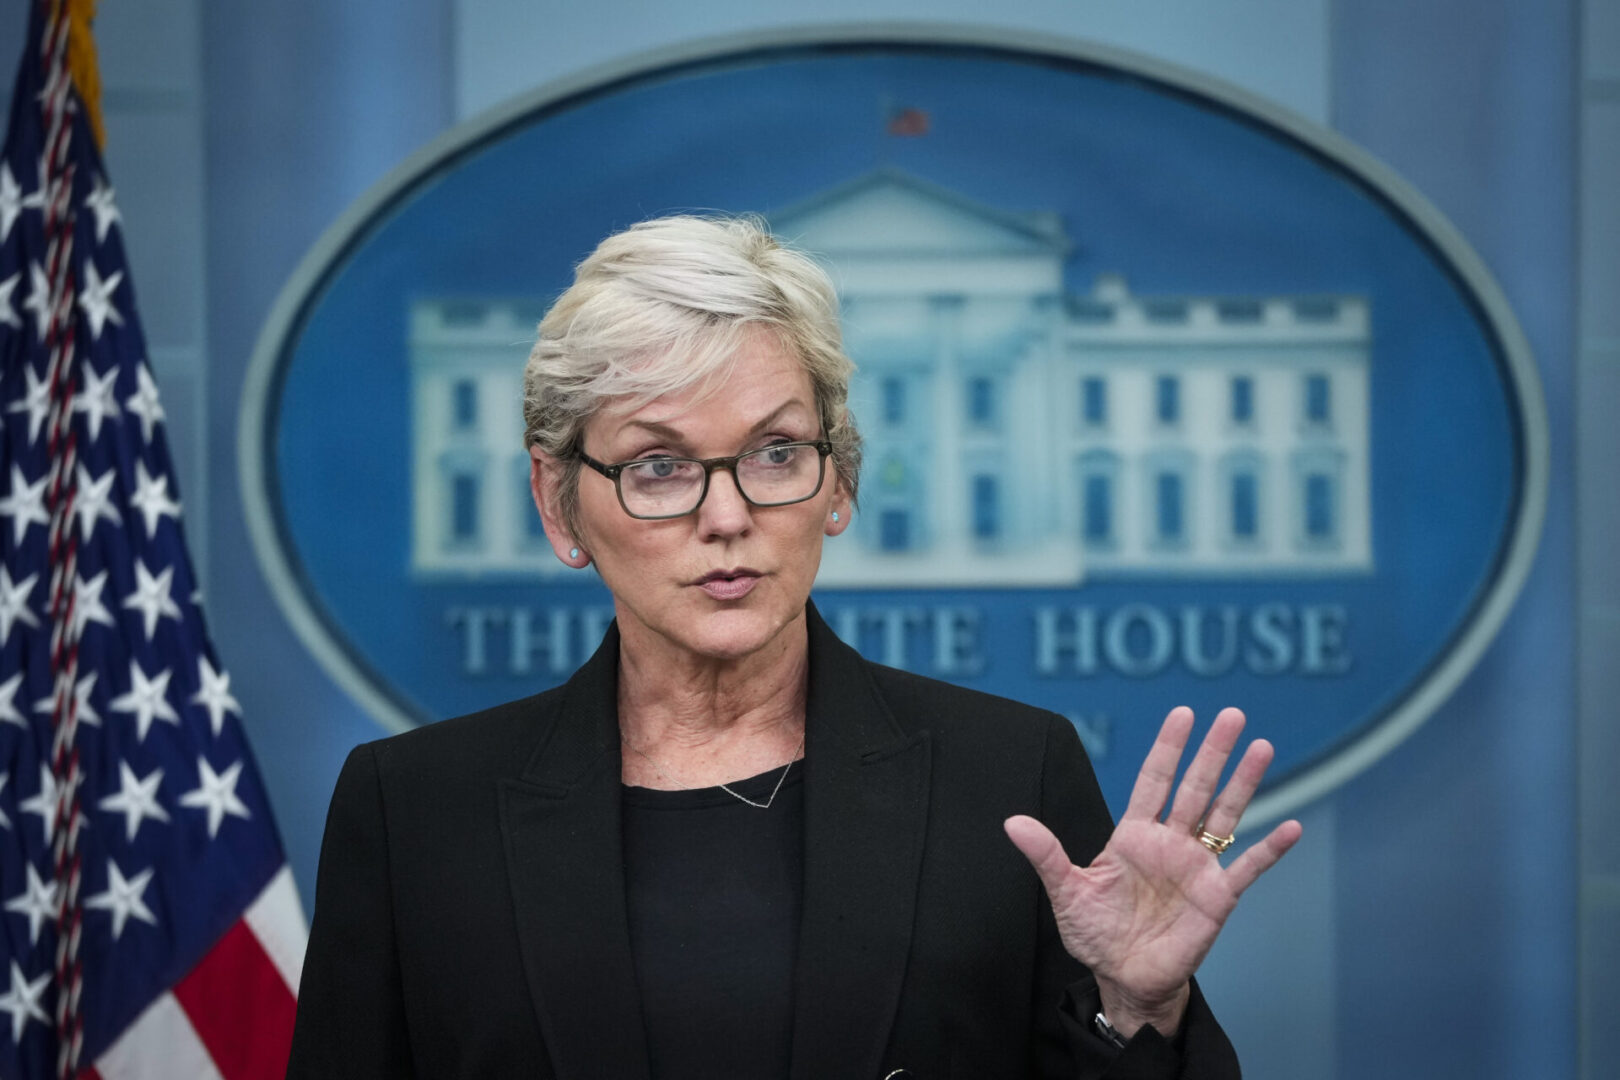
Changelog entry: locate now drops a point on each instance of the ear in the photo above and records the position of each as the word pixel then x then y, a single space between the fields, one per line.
pixel 842 506
pixel 545 474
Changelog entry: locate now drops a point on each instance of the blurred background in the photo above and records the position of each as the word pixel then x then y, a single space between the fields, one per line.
pixel 1455 909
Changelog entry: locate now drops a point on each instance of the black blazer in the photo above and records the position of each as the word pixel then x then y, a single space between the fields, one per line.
pixel 470 916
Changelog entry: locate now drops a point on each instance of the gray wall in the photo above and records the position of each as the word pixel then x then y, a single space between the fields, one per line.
pixel 1597 515
pixel 1457 859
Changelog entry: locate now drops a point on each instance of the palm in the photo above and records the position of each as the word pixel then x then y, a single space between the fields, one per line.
pixel 1145 912
pixel 1147 909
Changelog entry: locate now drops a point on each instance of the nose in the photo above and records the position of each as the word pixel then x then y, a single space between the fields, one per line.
pixel 724 511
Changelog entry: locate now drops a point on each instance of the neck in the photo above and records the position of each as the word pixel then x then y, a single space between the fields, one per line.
pixel 709 721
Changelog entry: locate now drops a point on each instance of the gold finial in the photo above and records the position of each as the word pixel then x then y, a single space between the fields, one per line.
pixel 82 63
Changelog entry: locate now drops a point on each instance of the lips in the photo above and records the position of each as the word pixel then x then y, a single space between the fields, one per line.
pixel 729 584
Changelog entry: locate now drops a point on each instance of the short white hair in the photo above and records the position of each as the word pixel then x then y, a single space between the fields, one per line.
pixel 666 305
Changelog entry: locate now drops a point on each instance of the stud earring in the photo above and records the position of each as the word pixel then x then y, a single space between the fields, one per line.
pixel 573 553
pixel 835 517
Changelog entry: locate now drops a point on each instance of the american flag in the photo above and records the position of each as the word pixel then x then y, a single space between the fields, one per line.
pixel 148 923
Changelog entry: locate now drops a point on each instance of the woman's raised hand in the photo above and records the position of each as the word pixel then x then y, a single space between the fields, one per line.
pixel 1144 914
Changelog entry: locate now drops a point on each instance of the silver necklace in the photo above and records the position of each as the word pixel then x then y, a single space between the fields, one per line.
pixel 766 805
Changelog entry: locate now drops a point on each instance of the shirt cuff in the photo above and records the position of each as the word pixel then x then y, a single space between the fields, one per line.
pixel 1145 1054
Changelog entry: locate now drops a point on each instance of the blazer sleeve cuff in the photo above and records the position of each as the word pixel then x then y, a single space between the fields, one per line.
pixel 1199 1051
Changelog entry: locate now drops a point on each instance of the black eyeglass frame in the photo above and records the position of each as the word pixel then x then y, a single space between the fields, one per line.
pixel 823 448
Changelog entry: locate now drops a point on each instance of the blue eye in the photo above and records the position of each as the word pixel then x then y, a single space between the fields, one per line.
pixel 663 472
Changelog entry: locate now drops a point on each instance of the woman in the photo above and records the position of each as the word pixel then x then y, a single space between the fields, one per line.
pixel 729 846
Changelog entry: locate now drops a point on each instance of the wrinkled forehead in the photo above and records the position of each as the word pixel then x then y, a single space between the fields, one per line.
pixel 759 380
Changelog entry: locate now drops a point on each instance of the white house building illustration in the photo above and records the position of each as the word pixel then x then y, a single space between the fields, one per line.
pixel 1016 434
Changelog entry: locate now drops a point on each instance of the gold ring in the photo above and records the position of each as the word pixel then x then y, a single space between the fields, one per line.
pixel 1217 844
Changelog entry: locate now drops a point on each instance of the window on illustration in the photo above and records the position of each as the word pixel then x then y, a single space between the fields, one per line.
pixel 1094 401
pixel 981 400
pixel 1320 507
pixel 894 530
pixel 986 508
pixel 894 400
pixel 1245 506
pixel 1318 399
pixel 1167 399
pixel 464 399
pixel 464 507
pixel 1168 505
pixel 1242 400
pixel 1099 509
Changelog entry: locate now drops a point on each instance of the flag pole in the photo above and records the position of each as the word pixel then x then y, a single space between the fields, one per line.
pixel 56 179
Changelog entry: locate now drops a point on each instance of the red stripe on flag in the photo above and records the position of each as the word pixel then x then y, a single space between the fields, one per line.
pixel 89 1073
pixel 241 1007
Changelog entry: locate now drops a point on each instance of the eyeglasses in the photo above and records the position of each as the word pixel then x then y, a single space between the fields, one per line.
pixel 670 487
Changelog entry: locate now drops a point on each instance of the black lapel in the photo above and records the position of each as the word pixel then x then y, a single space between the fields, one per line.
pixel 866 811
pixel 564 854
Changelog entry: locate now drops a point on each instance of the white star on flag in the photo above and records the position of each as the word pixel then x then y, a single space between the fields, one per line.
pixel 36 402
pixel 123 898
pixel 93 500
pixel 38 300
pixel 82 708
pixel 87 605
pixel 5 822
pixel 136 799
pixel 100 203
pixel 151 597
pixel 151 498
pixel 96 400
pixel 37 901
pixel 8 701
pixel 147 700
pixel 14 603
pixel 144 402
pixel 22 1001
pixel 44 803
pixel 215 695
pixel 13 202
pixel 25 506
pixel 216 793
pixel 95 297
pixel 8 314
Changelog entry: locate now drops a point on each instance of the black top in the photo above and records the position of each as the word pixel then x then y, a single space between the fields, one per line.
pixel 715 888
